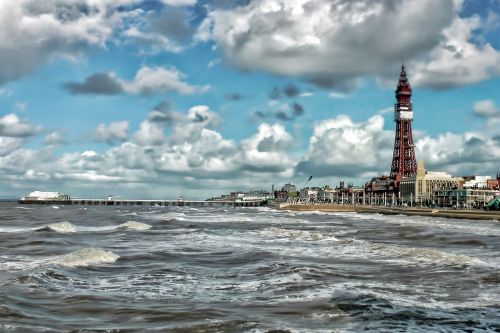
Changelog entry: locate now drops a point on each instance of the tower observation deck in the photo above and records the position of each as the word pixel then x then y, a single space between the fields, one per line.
pixel 403 163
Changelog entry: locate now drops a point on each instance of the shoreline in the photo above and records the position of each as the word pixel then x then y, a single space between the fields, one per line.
pixel 456 214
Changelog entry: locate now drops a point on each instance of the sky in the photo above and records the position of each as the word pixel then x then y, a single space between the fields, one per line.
pixel 163 98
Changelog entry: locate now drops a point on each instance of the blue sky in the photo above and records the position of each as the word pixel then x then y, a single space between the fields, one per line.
pixel 161 98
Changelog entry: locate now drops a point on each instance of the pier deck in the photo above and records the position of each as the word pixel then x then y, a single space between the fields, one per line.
pixel 120 202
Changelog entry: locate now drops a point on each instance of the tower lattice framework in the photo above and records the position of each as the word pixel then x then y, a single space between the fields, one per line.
pixel 404 163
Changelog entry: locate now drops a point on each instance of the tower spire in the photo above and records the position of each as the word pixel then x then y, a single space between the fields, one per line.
pixel 403 158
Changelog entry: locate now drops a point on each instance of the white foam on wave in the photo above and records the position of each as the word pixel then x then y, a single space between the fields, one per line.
pixel 133 225
pixel 55 207
pixel 9 263
pixel 86 257
pixel 130 214
pixel 485 228
pixel 61 227
pixel 14 229
pixel 66 227
pixel 165 216
pixel 305 235
pixel 408 254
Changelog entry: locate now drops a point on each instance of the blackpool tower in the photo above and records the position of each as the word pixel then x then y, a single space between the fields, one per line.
pixel 404 163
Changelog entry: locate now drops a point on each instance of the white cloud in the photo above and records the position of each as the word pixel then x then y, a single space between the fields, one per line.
pixel 342 147
pixel 157 41
pixel 54 139
pixel 5 92
pixel 117 131
pixel 147 81
pixel 21 106
pixel 338 42
pixel 151 80
pixel 36 32
pixel 334 94
pixel 175 3
pixel 486 108
pixel 267 149
pixel 178 150
pixel 12 126
pixel 468 153
pixel 457 60
pixel 149 134
pixel 8 145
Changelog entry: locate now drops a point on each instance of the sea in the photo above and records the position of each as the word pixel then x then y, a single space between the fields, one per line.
pixel 226 269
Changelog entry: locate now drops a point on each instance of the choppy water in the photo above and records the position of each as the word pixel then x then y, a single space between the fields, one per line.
pixel 140 269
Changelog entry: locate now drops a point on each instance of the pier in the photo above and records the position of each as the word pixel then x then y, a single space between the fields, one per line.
pixel 120 202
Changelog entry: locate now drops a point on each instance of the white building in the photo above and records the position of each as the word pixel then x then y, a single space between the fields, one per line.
pixel 41 195
pixel 309 193
pixel 326 194
pixel 476 181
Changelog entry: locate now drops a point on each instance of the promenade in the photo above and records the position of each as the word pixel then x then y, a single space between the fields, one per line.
pixel 447 213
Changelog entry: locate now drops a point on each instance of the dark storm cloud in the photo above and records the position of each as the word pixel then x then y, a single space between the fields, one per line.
pixel 474 142
pixel 275 93
pixel 199 118
pixel 173 23
pixel 234 96
pixel 261 114
pixel 290 91
pixel 270 144
pixel 295 110
pixel 338 84
pixel 163 106
pixel 163 115
pixel 98 84
pixel 298 109
pixel 281 115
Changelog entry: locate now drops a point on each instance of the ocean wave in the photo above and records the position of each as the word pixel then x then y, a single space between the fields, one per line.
pixel 66 227
pixel 61 227
pixel 86 257
pixel 14 229
pixel 133 225
pixel 408 254
pixel 168 216
pixel 305 235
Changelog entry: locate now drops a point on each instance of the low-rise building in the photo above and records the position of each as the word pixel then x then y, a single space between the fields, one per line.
pixel 422 187
pixel 287 191
pixel 476 181
pixel 43 195
pixel 493 184
pixel 326 194
pixel 349 194
pixel 254 195
pixel 465 197
pixel 310 193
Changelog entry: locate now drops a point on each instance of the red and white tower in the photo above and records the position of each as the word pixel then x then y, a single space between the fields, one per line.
pixel 404 163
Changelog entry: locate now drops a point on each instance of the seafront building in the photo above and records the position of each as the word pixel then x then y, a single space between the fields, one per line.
pixel 423 185
pixel 465 197
pixel 287 191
